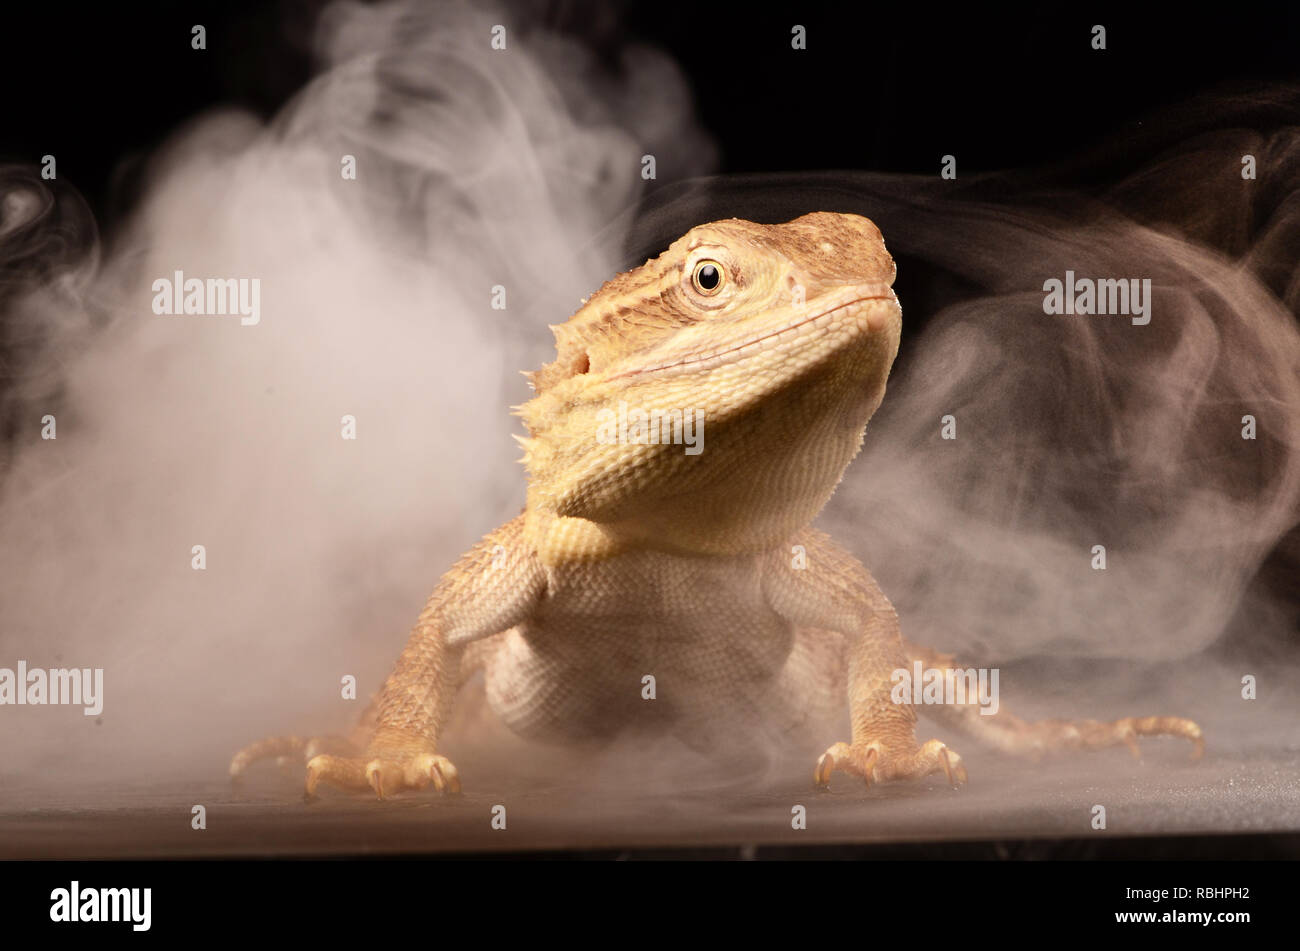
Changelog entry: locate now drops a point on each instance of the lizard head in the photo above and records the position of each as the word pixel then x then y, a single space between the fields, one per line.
pixel 710 399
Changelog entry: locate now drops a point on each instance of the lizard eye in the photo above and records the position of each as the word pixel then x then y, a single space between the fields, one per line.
pixel 708 277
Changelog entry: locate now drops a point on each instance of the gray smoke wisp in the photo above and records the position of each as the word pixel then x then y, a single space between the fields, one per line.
pixel 1071 430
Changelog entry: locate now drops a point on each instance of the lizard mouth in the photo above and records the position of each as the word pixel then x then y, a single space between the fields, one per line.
pixel 755 345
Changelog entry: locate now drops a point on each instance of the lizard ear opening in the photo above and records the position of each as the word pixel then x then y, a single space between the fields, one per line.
pixel 582 364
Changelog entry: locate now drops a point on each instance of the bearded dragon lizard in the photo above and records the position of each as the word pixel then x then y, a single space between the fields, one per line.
pixel 635 558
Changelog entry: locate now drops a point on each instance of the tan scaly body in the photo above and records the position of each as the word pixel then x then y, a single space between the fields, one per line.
pixel 636 559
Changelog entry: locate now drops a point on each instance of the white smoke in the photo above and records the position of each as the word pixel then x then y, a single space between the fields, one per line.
pixel 475 167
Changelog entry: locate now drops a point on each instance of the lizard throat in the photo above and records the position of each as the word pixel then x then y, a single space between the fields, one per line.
pixel 752 346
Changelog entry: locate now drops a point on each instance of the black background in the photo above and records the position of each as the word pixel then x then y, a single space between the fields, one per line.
pixel 888 87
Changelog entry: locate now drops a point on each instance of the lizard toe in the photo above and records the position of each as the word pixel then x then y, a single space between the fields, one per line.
pixel 874 763
pixel 389 776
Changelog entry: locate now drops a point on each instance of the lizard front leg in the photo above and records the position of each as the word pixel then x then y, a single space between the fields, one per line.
pixel 834 591
pixel 492 588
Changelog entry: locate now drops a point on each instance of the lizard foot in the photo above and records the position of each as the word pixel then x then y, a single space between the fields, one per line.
pixel 285 747
pixel 386 775
pixel 1048 735
pixel 875 764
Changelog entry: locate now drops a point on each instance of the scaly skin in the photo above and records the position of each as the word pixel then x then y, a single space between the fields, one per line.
pixel 636 559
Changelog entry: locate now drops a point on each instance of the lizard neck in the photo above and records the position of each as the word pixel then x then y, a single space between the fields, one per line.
pixel 766 473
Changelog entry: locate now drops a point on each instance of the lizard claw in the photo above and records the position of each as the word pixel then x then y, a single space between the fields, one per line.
pixel 335 770
pixel 284 750
pixel 874 764
pixel 844 757
pixel 953 767
pixel 385 777
pixel 400 764
pixel 416 773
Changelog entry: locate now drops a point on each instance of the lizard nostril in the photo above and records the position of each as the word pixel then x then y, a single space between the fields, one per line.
pixel 582 364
